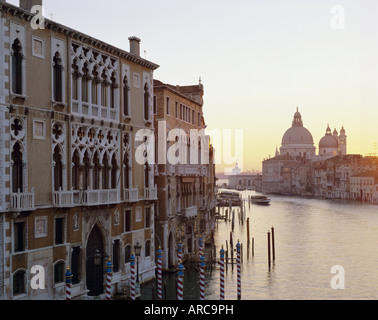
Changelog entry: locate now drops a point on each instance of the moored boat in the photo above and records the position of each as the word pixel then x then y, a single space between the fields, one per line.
pixel 264 200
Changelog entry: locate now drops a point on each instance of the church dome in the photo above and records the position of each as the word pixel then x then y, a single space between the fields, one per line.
pixel 297 134
pixel 328 141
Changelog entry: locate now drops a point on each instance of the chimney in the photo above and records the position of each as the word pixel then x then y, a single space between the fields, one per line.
pixel 28 4
pixel 135 46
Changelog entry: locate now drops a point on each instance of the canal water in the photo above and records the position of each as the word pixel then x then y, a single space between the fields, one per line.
pixel 311 237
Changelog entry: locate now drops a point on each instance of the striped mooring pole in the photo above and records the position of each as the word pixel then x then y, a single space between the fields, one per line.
pixel 159 274
pixel 239 269
pixel 109 270
pixel 68 277
pixel 179 253
pixel 180 281
pixel 202 277
pixel 133 278
pixel 200 248
pixel 222 274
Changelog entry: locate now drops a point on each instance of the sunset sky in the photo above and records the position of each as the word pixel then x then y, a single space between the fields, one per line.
pixel 258 61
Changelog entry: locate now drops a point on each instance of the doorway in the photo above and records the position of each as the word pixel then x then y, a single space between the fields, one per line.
pixel 95 271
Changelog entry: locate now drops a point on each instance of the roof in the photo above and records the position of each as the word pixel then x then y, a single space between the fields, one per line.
pixel 56 27
pixel 186 92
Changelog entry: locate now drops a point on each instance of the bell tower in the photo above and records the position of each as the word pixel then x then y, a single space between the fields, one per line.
pixel 342 142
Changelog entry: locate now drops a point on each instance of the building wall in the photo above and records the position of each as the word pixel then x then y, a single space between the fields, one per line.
pixel 50 227
pixel 186 189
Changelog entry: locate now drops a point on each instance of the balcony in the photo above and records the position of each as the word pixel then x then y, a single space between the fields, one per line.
pixel 100 197
pixel 131 195
pixel 22 201
pixel 150 193
pixel 65 199
pixel 190 212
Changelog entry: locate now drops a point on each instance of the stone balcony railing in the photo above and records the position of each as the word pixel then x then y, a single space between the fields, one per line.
pixel 131 195
pixel 150 193
pixel 22 201
pixel 65 199
pixel 100 197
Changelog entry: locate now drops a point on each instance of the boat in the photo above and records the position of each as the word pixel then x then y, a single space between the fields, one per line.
pixel 227 198
pixel 263 200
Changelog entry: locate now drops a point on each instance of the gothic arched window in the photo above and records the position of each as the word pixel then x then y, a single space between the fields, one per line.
pixel 17 57
pixel 146 102
pixel 17 170
pixel 58 169
pixel 126 110
pixel 58 78
pixel 75 171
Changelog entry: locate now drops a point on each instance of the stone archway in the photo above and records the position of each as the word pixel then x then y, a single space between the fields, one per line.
pixel 95 273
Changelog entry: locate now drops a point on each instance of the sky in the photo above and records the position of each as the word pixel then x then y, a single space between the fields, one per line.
pixel 258 60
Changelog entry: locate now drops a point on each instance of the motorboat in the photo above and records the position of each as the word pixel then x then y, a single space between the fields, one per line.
pixel 263 200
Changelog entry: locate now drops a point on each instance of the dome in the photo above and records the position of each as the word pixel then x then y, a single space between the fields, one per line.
pixel 328 141
pixel 297 135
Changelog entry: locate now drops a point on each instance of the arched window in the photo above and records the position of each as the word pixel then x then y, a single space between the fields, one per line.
pixel 126 171
pixel 58 78
pixel 105 173
pixel 59 272
pixel 58 169
pixel 114 172
pixel 17 57
pixel 85 84
pixel 86 168
pixel 17 169
pixel 95 86
pixel 75 81
pixel 104 90
pixel 126 88
pixel 113 89
pixel 19 281
pixel 146 102
pixel 96 172
pixel 75 171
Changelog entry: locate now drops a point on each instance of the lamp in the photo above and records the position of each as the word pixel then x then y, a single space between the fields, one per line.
pixel 97 258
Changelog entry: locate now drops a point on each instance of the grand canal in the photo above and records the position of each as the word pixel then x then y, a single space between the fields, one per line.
pixel 311 237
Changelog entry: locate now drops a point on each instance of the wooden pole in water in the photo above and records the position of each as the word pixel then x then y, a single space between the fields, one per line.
pixel 269 262
pixel 232 251
pixel 273 246
pixel 253 247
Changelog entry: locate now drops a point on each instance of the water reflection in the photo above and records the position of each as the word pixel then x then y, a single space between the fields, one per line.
pixel 311 236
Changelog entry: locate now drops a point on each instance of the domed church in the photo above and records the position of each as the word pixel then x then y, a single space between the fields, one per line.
pixel 332 144
pixel 297 140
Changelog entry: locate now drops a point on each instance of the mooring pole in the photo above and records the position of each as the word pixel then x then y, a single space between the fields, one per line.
pixel 269 263
pixel 273 246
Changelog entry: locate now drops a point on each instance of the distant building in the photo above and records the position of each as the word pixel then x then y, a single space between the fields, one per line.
pixel 364 186
pixel 331 174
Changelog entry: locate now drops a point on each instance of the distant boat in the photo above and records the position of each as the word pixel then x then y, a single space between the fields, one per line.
pixel 263 200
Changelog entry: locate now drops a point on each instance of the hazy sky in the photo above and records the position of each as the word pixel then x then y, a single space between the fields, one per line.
pixel 258 60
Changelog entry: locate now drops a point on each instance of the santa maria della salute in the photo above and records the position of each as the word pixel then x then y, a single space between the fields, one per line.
pixel 298 142
pixel 297 169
